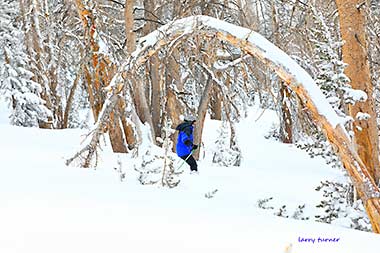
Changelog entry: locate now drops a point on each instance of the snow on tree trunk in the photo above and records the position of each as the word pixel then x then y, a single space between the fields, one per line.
pixel 352 28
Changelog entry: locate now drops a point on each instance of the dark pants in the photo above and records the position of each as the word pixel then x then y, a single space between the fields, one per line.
pixel 191 161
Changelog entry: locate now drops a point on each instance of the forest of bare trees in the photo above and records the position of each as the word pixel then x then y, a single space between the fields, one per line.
pixel 133 67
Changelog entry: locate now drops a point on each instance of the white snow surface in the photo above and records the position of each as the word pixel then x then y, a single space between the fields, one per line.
pixel 4 111
pixel 47 207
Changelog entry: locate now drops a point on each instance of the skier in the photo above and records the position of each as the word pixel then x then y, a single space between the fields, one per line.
pixel 185 145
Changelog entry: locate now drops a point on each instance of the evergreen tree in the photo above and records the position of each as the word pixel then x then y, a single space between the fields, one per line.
pixel 338 207
pixel 226 153
pixel 16 81
pixel 330 76
pixel 332 81
pixel 156 166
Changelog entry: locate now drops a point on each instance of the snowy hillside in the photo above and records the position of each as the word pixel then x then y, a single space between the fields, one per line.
pixel 47 207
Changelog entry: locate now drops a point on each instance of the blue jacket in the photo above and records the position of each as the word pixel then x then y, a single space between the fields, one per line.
pixel 185 139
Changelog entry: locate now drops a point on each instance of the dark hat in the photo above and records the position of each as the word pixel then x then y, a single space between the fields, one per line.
pixel 190 118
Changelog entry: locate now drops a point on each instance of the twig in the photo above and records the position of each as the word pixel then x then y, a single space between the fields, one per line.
pixel 261 114
pixel 359 6
pixel 117 2
pixel 150 20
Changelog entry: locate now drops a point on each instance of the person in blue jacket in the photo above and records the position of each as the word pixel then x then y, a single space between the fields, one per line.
pixel 185 143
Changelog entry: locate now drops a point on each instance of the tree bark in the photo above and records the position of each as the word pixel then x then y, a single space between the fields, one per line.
pixel 38 52
pixel 286 130
pixel 286 133
pixel 98 73
pixel 129 131
pixel 202 110
pixel 154 71
pixel 216 105
pixel 138 87
pixel 173 107
pixel 155 79
pixel 115 132
pixel 352 28
pixel 70 100
pixel 130 35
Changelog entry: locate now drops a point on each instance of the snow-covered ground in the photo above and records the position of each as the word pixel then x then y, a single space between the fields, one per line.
pixel 4 112
pixel 46 207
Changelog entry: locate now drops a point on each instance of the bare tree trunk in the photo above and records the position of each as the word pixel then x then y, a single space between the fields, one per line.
pixel 99 72
pixel 138 87
pixel 154 68
pixel 202 110
pixel 155 78
pixel 286 130
pixel 352 28
pixel 142 106
pixel 174 108
pixel 286 117
pixel 70 100
pixel 129 21
pixel 130 34
pixel 52 67
pixel 129 132
pixel 38 48
pixel 116 134
pixel 216 104
pixel 44 64
pixel 90 92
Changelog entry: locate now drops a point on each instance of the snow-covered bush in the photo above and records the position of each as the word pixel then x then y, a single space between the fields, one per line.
pixel 318 145
pixel 338 206
pixel 150 171
pixel 273 133
pixel 264 203
pixel 157 166
pixel 282 211
pixel 227 153
pixel 299 213
pixel 211 194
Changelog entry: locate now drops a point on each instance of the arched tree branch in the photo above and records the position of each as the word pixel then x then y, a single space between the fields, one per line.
pixel 296 78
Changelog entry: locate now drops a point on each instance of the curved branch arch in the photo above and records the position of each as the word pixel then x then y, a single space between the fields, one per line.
pixel 287 69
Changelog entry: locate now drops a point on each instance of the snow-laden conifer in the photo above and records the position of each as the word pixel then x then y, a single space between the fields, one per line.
pixel 330 75
pixel 16 81
pixel 337 206
pixel 158 166
pixel 227 153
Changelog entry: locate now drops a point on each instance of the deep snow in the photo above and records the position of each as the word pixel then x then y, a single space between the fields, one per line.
pixel 48 207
